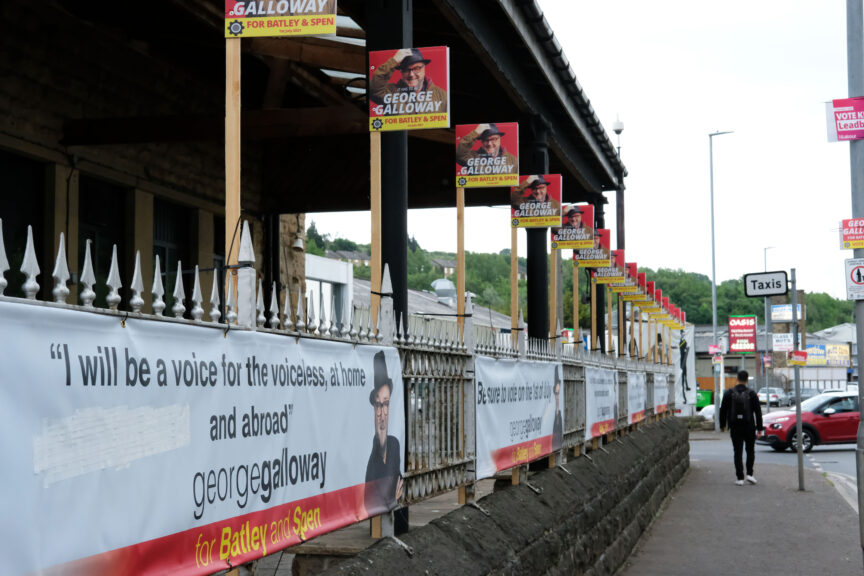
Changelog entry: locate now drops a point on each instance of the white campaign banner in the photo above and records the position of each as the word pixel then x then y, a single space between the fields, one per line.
pixel 661 393
pixel 684 361
pixel 601 401
pixel 636 397
pixel 148 447
pixel 520 412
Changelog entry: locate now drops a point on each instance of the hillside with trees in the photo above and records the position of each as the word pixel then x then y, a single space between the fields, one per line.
pixel 488 278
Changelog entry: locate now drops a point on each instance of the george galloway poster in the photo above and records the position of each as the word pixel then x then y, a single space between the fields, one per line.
pixel 577 228
pixel 244 19
pixel 487 155
pixel 409 89
pixel 536 201
pixel 144 447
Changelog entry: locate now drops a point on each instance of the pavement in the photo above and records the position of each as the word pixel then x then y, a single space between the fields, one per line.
pixel 711 526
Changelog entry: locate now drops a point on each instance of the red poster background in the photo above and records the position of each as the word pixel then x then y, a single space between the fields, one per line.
pixel 436 70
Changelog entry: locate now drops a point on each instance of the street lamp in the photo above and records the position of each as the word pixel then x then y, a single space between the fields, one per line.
pixel 768 343
pixel 714 280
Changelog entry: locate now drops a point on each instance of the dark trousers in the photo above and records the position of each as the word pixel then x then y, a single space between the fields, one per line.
pixel 743 436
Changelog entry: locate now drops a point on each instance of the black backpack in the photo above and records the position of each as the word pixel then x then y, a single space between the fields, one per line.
pixel 742 410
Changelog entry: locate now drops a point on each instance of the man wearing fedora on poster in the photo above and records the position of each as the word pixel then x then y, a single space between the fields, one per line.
pixel 503 162
pixel 573 218
pixel 383 479
pixel 412 67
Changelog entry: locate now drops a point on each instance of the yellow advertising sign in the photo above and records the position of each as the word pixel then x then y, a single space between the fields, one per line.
pixel 279 18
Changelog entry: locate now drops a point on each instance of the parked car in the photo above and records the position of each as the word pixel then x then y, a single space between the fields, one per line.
pixel 829 418
pixel 807 393
pixel 777 397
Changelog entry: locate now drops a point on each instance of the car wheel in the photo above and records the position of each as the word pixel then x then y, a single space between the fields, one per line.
pixel 807 440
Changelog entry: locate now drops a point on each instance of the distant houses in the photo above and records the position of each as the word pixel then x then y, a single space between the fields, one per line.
pixel 356 258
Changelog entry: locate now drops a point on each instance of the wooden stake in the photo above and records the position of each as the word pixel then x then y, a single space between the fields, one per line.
pixel 621 326
pixel 375 209
pixel 232 155
pixel 577 333
pixel 632 349
pixel 642 353
pixel 460 258
pixel 553 297
pixel 595 344
pixel 609 325
pixel 514 287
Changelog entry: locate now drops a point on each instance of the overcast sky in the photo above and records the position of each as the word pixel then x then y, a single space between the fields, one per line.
pixel 674 71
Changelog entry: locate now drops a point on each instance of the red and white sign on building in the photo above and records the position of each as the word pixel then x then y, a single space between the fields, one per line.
pixel 798 358
pixel 742 334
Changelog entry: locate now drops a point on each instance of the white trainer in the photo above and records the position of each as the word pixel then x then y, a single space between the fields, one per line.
pixel 739 482
pixel 751 479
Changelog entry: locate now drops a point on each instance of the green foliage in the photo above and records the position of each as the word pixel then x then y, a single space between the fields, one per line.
pixel 823 311
pixel 362 272
pixel 314 238
pixel 344 244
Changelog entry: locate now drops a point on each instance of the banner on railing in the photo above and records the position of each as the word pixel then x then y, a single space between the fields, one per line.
pixel 684 367
pixel 661 393
pixel 146 447
pixel 636 397
pixel 601 401
pixel 520 412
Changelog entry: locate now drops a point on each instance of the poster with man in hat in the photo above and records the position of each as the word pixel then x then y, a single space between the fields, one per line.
pixel 598 255
pixel 417 96
pixel 487 155
pixel 536 202
pixel 577 228
pixel 383 471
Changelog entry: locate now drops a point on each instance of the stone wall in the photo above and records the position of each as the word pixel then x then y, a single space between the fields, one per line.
pixel 585 522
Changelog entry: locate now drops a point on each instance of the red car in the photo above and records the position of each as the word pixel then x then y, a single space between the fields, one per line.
pixel 829 418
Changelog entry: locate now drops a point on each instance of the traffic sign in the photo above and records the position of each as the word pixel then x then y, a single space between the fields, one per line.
pixel 761 284
pixel 855 279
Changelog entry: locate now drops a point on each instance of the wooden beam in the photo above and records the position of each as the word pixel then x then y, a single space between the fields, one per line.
pixel 315 52
pixel 256 124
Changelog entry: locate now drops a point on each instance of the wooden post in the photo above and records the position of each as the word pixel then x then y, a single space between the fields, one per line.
pixel 232 155
pixel 553 298
pixel 460 259
pixel 609 325
pixel 632 350
pixel 514 288
pixel 642 353
pixel 375 209
pixel 577 333
pixel 622 327
pixel 595 344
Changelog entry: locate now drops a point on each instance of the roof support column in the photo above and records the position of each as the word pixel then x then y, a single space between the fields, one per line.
pixel 389 27
pixel 599 216
pixel 534 159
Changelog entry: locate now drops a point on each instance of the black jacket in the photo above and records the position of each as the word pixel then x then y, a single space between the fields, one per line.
pixel 726 408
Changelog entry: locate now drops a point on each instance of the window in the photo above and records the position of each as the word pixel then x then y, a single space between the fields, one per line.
pixel 174 233
pixel 22 203
pixel 102 220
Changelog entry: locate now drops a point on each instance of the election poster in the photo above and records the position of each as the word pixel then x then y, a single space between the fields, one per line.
pixel 684 367
pixel 279 18
pixel 577 228
pixel 742 334
pixel 144 447
pixel 636 397
pixel 614 273
pixel 845 119
pixel 816 355
pixel 598 256
pixel 629 285
pixel 487 155
pixel 520 412
pixel 601 401
pixel 536 201
pixel 661 393
pixel 409 89
pixel 852 234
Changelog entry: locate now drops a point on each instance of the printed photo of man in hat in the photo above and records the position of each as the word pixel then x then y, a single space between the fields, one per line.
pixel 489 136
pixel 533 193
pixel 558 423
pixel 383 478
pixel 413 81
pixel 573 217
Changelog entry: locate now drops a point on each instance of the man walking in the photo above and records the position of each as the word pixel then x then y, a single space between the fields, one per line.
pixel 741 412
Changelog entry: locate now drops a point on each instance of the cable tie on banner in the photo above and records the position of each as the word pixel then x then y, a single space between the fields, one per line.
pixel 123 320
pixel 384 294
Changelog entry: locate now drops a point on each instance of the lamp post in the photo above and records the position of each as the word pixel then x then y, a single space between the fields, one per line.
pixel 767 332
pixel 714 280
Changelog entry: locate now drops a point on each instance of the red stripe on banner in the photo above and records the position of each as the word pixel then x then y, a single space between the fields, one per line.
pixel 638 416
pixel 208 549
pixel 511 456
pixel 601 428
pixel 661 408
